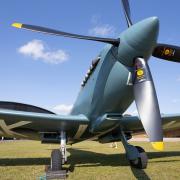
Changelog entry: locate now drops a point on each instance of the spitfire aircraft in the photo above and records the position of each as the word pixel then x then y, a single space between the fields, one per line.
pixel 119 75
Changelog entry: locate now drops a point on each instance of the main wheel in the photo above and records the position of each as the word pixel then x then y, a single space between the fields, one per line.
pixel 140 162
pixel 56 160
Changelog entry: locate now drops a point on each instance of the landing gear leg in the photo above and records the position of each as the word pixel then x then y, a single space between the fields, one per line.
pixel 63 147
pixel 58 157
pixel 136 155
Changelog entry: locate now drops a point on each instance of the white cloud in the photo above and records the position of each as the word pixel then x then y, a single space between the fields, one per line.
pixel 132 112
pixel 38 51
pixel 102 30
pixel 62 109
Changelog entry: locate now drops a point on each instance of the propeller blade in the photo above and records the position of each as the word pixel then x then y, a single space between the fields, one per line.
pixel 147 103
pixel 65 34
pixel 167 52
pixel 127 12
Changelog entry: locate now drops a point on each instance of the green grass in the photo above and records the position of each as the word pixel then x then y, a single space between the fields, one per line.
pixel 87 161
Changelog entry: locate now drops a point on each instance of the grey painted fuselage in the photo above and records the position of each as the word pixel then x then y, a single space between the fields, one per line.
pixel 109 88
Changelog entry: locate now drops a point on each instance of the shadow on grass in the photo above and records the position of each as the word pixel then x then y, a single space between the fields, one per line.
pixel 24 161
pixel 85 158
pixel 154 155
pixel 81 158
pixel 140 174
pixel 88 158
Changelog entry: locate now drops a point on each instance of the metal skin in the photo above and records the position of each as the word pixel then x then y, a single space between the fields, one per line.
pixel 109 90
pixel 146 101
pixel 167 52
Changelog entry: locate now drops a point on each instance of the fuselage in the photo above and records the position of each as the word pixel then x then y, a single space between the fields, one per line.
pixel 111 80
pixel 109 88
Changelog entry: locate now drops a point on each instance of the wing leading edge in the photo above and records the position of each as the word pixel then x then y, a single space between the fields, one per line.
pixel 133 123
pixel 10 120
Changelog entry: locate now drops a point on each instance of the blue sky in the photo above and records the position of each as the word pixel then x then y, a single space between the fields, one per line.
pixel 50 74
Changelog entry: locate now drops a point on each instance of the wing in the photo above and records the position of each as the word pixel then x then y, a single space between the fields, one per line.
pixel 15 123
pixel 133 123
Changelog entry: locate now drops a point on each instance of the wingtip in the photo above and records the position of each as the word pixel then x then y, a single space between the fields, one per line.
pixel 17 25
pixel 159 146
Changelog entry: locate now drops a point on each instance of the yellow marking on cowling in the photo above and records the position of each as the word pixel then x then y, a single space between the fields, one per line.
pixel 140 72
pixel 17 25
pixel 167 52
pixel 159 146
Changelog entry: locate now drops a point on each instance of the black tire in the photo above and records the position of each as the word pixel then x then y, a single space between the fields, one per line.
pixel 140 149
pixel 142 161
pixel 56 160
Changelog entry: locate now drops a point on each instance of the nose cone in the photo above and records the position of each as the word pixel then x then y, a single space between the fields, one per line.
pixel 143 34
pixel 141 38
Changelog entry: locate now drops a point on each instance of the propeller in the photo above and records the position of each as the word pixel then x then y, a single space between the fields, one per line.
pixel 145 94
pixel 45 30
pixel 167 52
pixel 147 103
pixel 127 12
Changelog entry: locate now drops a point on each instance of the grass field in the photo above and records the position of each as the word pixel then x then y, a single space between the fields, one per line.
pixel 87 161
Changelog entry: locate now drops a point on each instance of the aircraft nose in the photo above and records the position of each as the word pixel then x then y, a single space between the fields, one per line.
pixel 140 39
pixel 153 21
pixel 144 34
pixel 149 29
